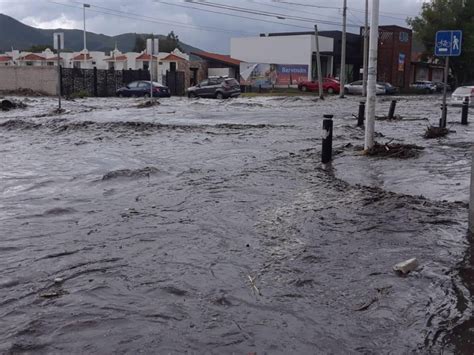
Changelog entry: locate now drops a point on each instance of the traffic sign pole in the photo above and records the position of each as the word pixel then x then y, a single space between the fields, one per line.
pixel 444 114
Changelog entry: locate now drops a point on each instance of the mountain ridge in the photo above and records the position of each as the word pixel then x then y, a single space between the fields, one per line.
pixel 17 35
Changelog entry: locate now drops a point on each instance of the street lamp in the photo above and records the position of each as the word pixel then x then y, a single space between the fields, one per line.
pixel 84 6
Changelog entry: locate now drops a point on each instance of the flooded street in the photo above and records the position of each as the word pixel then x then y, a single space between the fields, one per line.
pixel 206 226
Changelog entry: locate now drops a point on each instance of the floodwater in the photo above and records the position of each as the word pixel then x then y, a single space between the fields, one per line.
pixel 205 226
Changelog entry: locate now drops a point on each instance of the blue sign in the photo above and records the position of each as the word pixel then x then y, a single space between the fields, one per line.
pixel 448 43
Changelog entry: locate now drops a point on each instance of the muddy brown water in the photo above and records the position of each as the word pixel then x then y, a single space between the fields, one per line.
pixel 201 226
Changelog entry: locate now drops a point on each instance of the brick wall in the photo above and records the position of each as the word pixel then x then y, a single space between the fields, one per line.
pixel 41 79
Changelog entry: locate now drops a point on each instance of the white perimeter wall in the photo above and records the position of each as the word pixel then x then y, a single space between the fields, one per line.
pixel 42 79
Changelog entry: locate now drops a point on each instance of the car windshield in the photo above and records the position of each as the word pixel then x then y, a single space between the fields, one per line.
pixel 465 90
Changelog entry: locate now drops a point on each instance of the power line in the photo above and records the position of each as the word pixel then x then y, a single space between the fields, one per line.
pixel 258 12
pixel 233 15
pixel 289 9
pixel 133 16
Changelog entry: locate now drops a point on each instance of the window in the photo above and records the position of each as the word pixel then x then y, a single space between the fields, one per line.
pixel 143 85
pixel 204 83
pixel 29 64
pixel 133 84
pixel 161 63
pixel 93 63
pixel 404 37
pixel 50 64
pixel 77 65
pixel 111 66
pixel 146 65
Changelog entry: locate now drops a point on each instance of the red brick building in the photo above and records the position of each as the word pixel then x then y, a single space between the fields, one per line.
pixel 394 57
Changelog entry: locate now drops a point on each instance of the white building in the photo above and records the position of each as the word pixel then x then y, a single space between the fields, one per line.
pixel 283 49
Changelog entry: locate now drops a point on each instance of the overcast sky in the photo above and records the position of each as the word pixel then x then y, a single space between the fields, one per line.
pixel 202 28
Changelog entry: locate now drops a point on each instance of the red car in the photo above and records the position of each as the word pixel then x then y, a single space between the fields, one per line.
pixel 330 85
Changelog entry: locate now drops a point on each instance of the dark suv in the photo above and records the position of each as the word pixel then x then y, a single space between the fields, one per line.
pixel 219 88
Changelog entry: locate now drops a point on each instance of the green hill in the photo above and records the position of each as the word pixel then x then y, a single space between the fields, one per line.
pixel 20 36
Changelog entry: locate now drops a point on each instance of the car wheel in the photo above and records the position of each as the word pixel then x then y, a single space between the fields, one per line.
pixel 331 91
pixel 191 95
pixel 219 96
pixel 304 88
pixel 147 95
pixel 120 94
pixel 427 91
pixel 346 91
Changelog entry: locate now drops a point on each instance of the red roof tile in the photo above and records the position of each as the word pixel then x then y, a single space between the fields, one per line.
pixel 32 57
pixel 119 58
pixel 172 57
pixel 226 59
pixel 5 58
pixel 145 56
pixel 81 57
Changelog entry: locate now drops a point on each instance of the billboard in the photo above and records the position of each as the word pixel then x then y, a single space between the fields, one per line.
pixel 401 62
pixel 269 75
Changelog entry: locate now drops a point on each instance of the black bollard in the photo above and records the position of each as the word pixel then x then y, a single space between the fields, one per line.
pixel 391 112
pixel 444 115
pixel 361 117
pixel 327 139
pixel 464 112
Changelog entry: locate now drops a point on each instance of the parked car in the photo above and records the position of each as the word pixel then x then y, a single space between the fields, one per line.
pixel 461 94
pixel 389 88
pixel 142 88
pixel 216 87
pixel 355 88
pixel 427 87
pixel 330 85
pixel 440 86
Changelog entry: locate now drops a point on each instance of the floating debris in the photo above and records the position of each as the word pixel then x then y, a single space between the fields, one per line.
pixel 435 132
pixel 397 150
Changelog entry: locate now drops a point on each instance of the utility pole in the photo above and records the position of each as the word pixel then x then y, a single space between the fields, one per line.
pixel 84 6
pixel 372 76
pixel 318 63
pixel 343 51
pixel 366 47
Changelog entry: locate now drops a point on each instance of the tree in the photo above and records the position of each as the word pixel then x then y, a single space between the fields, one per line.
pixel 170 43
pixel 38 48
pixel 448 15
pixel 140 44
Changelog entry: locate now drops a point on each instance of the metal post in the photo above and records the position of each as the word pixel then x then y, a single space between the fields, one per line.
pixel 318 62
pixel 343 50
pixel 84 6
pixel 366 48
pixel 372 76
pixel 391 111
pixel 361 116
pixel 444 113
pixel 465 112
pixel 58 39
pixel 326 154
pixel 471 199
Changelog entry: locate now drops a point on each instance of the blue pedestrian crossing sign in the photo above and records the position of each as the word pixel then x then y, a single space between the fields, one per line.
pixel 448 43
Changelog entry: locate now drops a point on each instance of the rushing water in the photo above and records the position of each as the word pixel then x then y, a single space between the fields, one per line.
pixel 202 226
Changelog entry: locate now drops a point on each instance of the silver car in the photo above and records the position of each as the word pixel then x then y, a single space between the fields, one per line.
pixel 461 94
pixel 355 88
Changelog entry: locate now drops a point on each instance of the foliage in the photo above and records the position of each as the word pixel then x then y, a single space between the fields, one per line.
pixel 170 43
pixel 448 15
pixel 79 94
pixel 167 44
pixel 140 44
pixel 39 48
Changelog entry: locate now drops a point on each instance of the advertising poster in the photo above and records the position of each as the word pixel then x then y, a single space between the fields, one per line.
pixel 270 75
pixel 401 62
